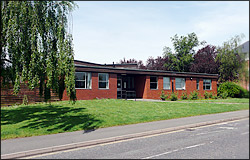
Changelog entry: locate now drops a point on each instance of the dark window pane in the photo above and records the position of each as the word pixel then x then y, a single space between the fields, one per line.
pixel 153 79
pixel 79 76
pixel 102 77
pixel 80 84
pixel 207 87
pixel 153 85
pixel 102 84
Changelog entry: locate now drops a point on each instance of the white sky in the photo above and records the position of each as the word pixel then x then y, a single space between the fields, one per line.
pixel 107 31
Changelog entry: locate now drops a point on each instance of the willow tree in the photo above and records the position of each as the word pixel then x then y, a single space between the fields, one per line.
pixel 37 48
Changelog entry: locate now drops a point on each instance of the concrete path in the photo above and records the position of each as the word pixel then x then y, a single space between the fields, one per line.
pixel 19 147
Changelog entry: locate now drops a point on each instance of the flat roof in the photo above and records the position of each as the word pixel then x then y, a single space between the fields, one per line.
pixel 143 71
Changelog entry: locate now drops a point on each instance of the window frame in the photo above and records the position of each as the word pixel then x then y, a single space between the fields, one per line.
pixel 204 84
pixel 153 82
pixel 107 86
pixel 90 84
pixel 198 84
pixel 184 84
pixel 166 83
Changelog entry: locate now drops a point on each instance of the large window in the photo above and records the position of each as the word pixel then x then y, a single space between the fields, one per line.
pixel 83 80
pixel 103 80
pixel 180 83
pixel 166 83
pixel 197 84
pixel 207 84
pixel 153 83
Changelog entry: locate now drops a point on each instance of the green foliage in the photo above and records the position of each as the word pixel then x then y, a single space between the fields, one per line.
pixel 173 97
pixel 210 95
pixel 184 50
pixel 194 95
pixel 163 96
pixel 233 90
pixel 223 95
pixel 25 100
pixel 230 62
pixel 37 46
pixel 184 96
pixel 206 96
pixel 244 93
pixel 214 97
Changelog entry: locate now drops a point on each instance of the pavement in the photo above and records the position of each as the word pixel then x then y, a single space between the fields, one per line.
pixel 23 147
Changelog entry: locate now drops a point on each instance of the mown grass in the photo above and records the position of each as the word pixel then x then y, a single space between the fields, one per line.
pixel 57 117
pixel 228 100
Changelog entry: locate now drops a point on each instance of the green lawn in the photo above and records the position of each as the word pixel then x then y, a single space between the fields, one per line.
pixel 42 119
pixel 228 100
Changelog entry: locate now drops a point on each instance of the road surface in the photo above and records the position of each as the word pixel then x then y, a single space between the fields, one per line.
pixel 221 141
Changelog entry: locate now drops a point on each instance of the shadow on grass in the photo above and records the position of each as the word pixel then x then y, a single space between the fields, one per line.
pixel 51 117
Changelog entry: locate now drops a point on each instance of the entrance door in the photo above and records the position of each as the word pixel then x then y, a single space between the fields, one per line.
pixel 125 87
pixel 119 87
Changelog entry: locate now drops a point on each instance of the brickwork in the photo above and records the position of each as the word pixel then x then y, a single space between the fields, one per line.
pixel 95 92
pixel 190 87
pixel 8 98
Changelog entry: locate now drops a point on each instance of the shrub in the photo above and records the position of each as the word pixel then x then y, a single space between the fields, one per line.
pixel 244 93
pixel 223 95
pixel 214 97
pixel 206 96
pixel 210 95
pixel 173 97
pixel 233 90
pixel 184 95
pixel 25 100
pixel 194 95
pixel 163 96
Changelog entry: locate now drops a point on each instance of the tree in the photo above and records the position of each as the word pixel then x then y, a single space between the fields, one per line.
pixel 37 46
pixel 204 61
pixel 184 50
pixel 230 62
pixel 156 64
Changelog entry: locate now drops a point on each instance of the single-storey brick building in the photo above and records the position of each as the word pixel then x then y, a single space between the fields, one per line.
pixel 119 81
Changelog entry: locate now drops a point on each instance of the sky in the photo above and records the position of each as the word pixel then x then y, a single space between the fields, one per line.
pixel 108 31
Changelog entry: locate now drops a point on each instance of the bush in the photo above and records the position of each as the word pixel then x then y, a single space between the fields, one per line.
pixel 244 93
pixel 223 95
pixel 214 97
pixel 206 96
pixel 210 95
pixel 233 90
pixel 163 96
pixel 25 100
pixel 194 95
pixel 173 97
pixel 184 95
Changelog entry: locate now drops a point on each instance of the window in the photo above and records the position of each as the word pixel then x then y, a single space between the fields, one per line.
pixel 207 84
pixel 83 80
pixel 153 82
pixel 103 80
pixel 166 83
pixel 197 84
pixel 180 83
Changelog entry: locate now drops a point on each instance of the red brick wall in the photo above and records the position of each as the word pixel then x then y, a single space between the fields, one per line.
pixel 95 92
pixel 190 87
pixel 8 98
pixel 140 86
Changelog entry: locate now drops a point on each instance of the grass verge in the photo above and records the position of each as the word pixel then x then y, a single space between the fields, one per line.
pixel 58 117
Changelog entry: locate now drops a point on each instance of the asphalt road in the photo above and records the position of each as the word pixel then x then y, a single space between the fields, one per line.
pixel 222 141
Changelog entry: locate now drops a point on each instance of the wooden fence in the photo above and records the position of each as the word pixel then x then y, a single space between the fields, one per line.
pixel 8 99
